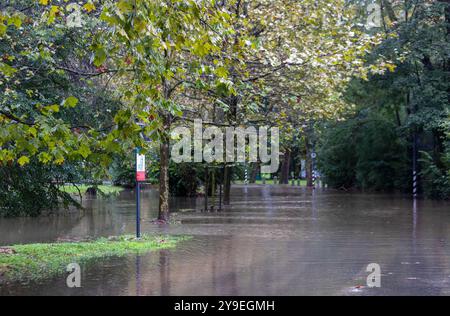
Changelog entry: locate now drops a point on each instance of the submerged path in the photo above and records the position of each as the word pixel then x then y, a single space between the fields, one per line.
pixel 271 240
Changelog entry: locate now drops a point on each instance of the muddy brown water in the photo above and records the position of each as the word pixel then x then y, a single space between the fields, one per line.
pixel 271 240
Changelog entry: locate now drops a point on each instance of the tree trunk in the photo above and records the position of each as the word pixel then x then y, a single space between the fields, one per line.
pixel 213 189
pixel 227 185
pixel 285 167
pixel 164 182
pixel 206 188
pixel 254 174
pixel 295 163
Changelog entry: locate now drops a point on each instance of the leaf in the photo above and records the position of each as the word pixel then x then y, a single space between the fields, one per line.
pixel 15 20
pixel 84 151
pixel 3 29
pixel 44 157
pixel 99 57
pixel 7 70
pixel 89 6
pixel 32 131
pixel 52 14
pixel 70 102
pixel 222 72
pixel 50 108
pixel 43 2
pixel 59 161
pixel 124 6
pixel 23 160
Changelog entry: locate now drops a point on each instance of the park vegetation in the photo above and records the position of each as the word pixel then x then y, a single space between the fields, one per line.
pixel 84 83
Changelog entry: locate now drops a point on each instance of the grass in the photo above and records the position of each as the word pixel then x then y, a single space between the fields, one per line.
pixel 105 189
pixel 271 182
pixel 32 262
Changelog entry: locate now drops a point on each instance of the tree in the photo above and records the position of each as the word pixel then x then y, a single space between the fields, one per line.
pixel 160 48
pixel 56 107
pixel 298 59
pixel 415 95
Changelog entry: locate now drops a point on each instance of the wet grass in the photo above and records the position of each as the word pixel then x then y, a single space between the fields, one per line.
pixel 105 189
pixel 272 182
pixel 33 262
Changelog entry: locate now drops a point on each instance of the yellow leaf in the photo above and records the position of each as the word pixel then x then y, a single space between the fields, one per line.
pixel 43 2
pixel 70 102
pixel 59 161
pixel 23 160
pixel 52 14
pixel 89 6
pixel 50 108
pixel 32 131
pixel 44 157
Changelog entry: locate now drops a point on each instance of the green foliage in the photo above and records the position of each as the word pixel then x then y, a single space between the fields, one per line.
pixel 435 177
pixel 412 99
pixel 185 178
pixel 123 170
pixel 105 190
pixel 436 182
pixel 33 189
pixel 364 152
pixel 382 157
pixel 125 177
pixel 337 156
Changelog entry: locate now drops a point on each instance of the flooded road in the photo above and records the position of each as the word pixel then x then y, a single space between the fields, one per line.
pixel 271 240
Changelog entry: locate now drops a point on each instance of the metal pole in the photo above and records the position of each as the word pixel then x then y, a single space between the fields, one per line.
pixel 245 175
pixel 138 210
pixel 138 202
pixel 415 183
pixel 414 157
pixel 313 166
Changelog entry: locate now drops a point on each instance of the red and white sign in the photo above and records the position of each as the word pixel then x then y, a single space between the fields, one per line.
pixel 140 167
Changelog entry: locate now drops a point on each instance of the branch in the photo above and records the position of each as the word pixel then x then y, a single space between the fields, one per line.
pixel 176 85
pixel 265 74
pixel 85 74
pixel 15 118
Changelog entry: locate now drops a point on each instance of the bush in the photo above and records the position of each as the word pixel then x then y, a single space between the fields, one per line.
pixel 32 189
pixel 365 153
pixel 435 180
pixel 184 179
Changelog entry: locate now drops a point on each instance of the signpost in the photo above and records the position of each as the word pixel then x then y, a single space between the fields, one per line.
pixel 314 174
pixel 140 177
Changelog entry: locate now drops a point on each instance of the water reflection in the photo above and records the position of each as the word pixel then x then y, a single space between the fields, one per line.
pixel 281 240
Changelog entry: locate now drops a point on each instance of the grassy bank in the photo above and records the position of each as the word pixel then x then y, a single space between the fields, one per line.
pixel 21 263
pixel 105 189
pixel 272 182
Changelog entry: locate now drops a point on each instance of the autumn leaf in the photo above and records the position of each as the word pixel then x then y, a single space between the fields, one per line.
pixel 70 102
pixel 54 108
pixel 23 160
pixel 89 6
pixel 52 14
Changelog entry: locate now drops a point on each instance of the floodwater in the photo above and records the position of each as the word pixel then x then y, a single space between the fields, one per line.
pixel 271 240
